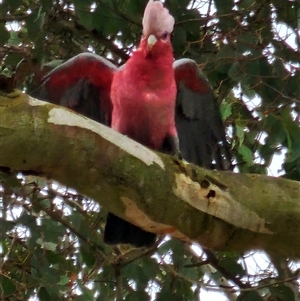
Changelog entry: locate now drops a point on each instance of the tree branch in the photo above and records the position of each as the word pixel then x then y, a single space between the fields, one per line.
pixel 220 210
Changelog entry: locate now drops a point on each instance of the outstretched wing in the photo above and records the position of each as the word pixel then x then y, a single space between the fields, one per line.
pixel 199 125
pixel 81 84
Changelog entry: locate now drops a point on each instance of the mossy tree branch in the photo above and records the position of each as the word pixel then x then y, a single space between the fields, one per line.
pixel 219 210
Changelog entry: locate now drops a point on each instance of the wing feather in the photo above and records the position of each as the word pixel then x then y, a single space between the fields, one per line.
pixel 82 84
pixel 199 125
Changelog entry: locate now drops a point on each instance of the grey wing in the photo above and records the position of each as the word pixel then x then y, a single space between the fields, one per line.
pixel 200 129
pixel 82 84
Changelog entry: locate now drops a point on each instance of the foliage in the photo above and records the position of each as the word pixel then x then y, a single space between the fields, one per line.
pixel 51 238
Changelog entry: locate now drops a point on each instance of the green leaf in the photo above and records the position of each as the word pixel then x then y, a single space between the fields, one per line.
pixel 64 279
pixel 292 170
pixel 240 133
pixel 82 9
pixel 53 64
pixel 46 245
pixel 225 58
pixel 10 181
pixel 52 230
pixel 13 59
pixel 135 8
pixel 247 84
pixel 283 293
pixel 4 34
pixel 246 154
pixel 165 293
pixel 224 7
pixel 235 72
pixel 43 294
pixel 141 271
pixel 232 266
pixel 252 67
pixel 14 39
pixel 292 131
pixel 7 287
pixel 137 296
pixel 179 38
pixel 87 255
pixel 34 23
pixel 249 296
pixel 87 294
pixel 246 4
pixel 176 4
pixel 46 5
pixel 14 5
pixel 150 266
pixel 104 18
pixel 280 70
pixel 287 12
pixel 4 228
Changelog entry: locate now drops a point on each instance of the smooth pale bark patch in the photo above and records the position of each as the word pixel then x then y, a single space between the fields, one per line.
pixel 60 116
pixel 219 203
pixel 134 213
pixel 35 102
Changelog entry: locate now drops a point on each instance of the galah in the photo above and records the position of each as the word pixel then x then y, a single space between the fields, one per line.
pixel 163 104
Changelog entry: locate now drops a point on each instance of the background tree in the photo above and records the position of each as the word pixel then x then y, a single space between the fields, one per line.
pixel 51 237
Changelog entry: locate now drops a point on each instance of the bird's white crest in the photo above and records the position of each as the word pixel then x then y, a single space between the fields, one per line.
pixel 157 19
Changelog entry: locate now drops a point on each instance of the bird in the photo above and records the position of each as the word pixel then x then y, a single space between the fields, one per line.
pixel 166 105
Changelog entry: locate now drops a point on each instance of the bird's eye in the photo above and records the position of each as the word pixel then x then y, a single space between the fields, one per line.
pixel 164 36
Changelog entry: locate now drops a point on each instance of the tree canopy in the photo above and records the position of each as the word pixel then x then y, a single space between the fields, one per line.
pixel 52 237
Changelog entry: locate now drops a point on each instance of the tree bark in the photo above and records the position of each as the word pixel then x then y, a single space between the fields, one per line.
pixel 219 210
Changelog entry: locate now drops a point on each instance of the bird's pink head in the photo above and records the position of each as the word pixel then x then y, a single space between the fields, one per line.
pixel 157 19
pixel 158 25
